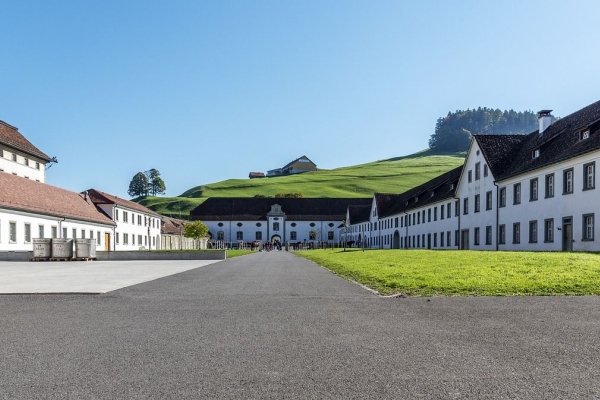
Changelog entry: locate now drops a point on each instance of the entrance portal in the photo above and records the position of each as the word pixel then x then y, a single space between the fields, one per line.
pixel 275 239
pixel 567 234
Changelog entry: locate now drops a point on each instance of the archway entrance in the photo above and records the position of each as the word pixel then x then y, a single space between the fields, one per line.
pixel 275 239
pixel 396 241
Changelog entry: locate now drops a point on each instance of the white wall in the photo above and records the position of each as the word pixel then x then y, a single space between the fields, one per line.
pixel 33 171
pixel 133 231
pixel 48 223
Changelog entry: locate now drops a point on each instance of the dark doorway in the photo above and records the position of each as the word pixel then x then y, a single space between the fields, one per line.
pixel 567 234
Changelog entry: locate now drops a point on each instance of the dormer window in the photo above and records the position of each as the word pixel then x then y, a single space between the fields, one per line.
pixel 584 134
pixel 416 198
pixel 432 193
pixel 536 153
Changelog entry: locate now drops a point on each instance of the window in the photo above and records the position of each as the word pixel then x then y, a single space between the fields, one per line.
pixel 588 227
pixel 485 170
pixel 435 213
pixel 589 176
pixel 125 217
pixel 549 185
pixel 125 238
pixel 275 226
pixel 465 205
pixel 429 215
pixel 258 235
pixel 27 233
pixel 533 189
pixel 456 237
pixel 517 233
pixel 568 181
pixel 419 218
pixel 584 134
pixel 139 239
pixel 132 239
pixel 139 219
pixel 533 232
pixel 456 208
pixel 442 234
pixel 14 157
pixel 64 233
pixel 442 211
pixel 470 176
pixel 116 215
pixel 549 230
pixel 517 193
pixel 488 200
pixel 83 236
pixel 74 233
pixel 448 237
pixel 220 235
pixel 239 235
pixel 501 234
pixel 117 237
pixel 535 153
pixel 396 222
pixel 330 235
pixel 98 238
pixel 503 197
pixel 476 203
pixel 435 239
pixel 449 210
pixel 54 231
pixel 26 161
pixel 312 235
pixel 476 236
pixel 41 231
pixel 12 232
pixel 37 165
pixel 488 235
pixel 477 173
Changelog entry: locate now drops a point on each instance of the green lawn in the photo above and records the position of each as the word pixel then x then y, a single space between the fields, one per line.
pixel 237 253
pixel 385 176
pixel 465 273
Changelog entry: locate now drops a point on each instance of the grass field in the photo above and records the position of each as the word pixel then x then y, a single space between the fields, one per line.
pixel 386 176
pixel 237 253
pixel 465 273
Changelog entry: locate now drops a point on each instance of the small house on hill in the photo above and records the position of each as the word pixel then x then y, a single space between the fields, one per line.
pixel 254 175
pixel 299 165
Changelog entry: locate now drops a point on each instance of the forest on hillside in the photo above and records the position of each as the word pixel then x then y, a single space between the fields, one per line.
pixel 453 132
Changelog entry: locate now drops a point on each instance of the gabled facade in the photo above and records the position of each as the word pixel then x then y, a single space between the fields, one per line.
pixel 264 220
pixel 19 157
pixel 136 227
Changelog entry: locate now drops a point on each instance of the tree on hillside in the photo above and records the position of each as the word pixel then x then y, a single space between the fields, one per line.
pixel 453 132
pixel 138 185
pixel 155 183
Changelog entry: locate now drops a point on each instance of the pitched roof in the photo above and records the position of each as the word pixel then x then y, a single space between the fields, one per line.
pixel 512 155
pixel 296 160
pixel 171 226
pixel 439 188
pixel 10 136
pixel 22 194
pixel 359 214
pixel 256 208
pixel 99 197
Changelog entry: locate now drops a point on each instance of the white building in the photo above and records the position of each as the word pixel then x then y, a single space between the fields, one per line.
pixel 256 219
pixel 19 157
pixel 514 192
pixel 136 227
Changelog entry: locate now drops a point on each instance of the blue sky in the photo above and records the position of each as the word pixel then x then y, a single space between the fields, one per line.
pixel 209 90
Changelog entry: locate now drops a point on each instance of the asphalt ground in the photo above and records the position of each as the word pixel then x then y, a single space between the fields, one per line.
pixel 272 325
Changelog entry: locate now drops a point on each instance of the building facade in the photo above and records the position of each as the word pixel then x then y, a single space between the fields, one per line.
pixel 19 157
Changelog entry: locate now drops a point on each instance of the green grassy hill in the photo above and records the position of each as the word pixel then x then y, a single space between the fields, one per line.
pixel 386 176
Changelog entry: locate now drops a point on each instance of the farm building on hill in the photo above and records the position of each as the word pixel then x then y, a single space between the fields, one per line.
pixel 299 165
pixel 254 175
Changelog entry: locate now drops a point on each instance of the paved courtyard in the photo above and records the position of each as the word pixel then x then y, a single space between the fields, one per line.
pixel 272 325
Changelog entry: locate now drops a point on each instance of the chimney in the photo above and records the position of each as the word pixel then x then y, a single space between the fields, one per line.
pixel 544 120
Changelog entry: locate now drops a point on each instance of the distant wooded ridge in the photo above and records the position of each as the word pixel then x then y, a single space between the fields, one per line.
pixel 453 132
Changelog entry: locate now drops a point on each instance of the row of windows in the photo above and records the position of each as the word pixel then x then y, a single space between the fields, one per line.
pixel 421 217
pixel 429 240
pixel 13 233
pixel 140 218
pixel 568 185
pixel 126 237
pixel 26 160
pixel 587 233
pixel 477 172
pixel 258 235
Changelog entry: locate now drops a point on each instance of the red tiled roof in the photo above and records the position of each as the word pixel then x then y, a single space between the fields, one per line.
pixel 172 226
pixel 18 193
pixel 10 136
pixel 99 197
